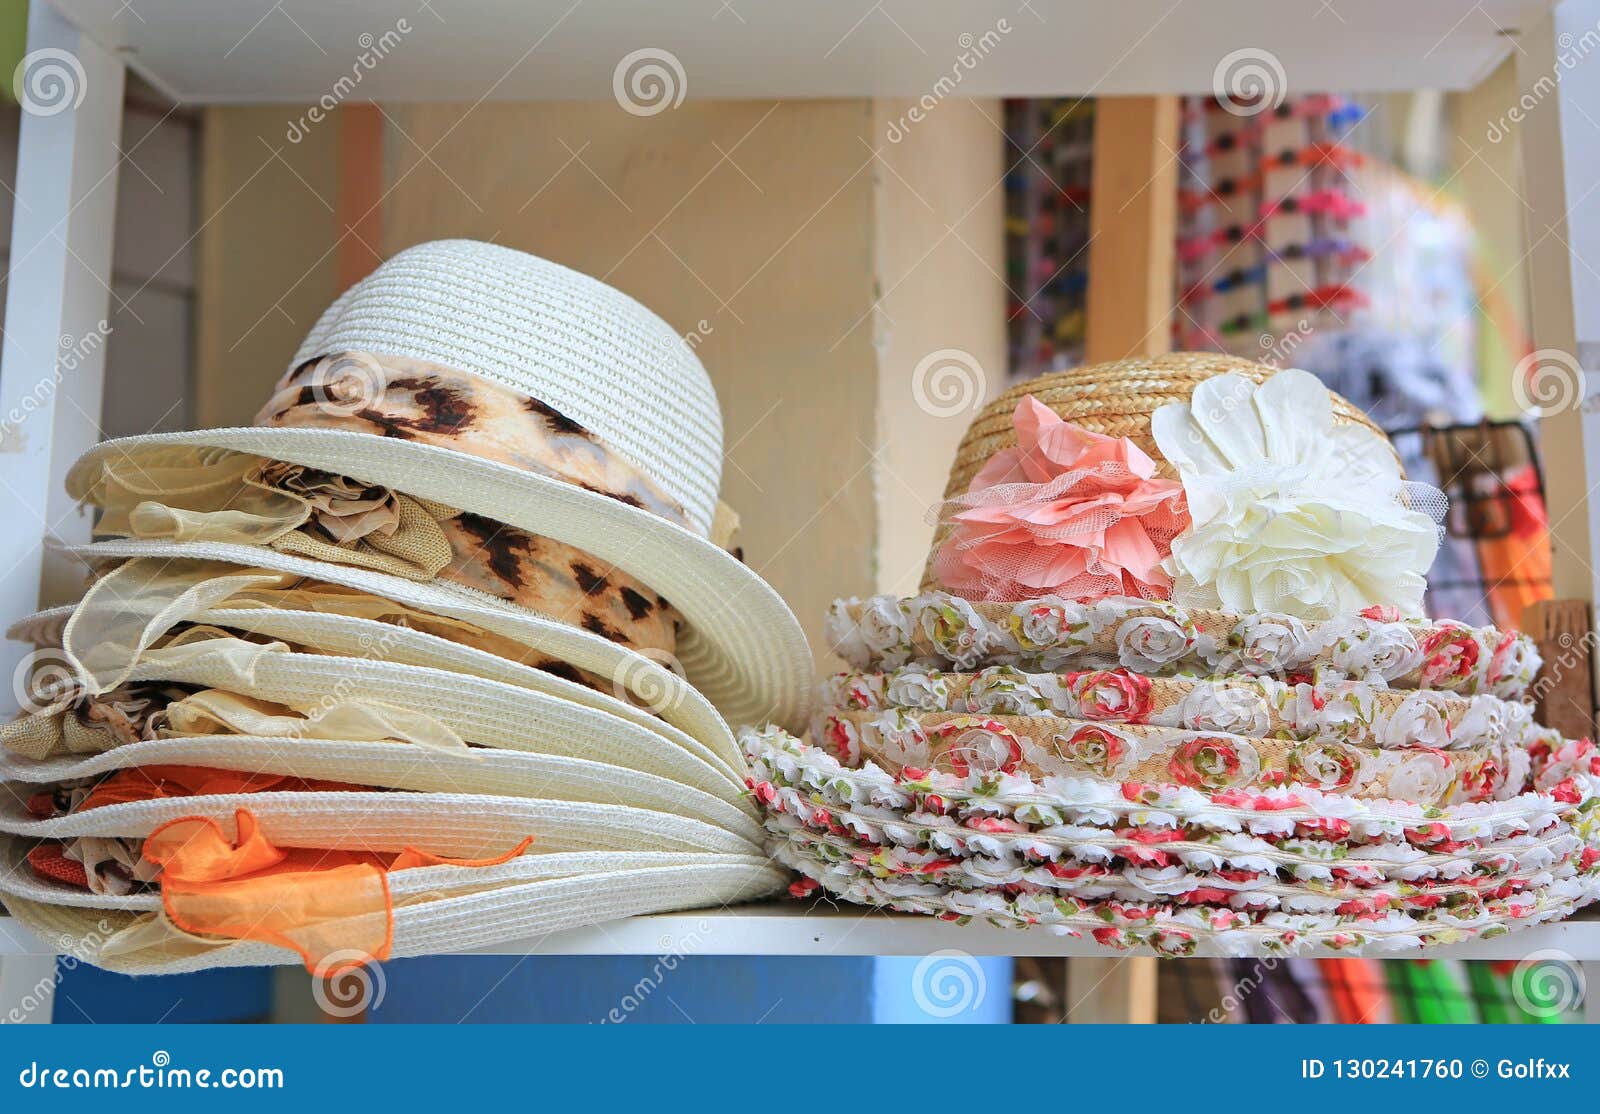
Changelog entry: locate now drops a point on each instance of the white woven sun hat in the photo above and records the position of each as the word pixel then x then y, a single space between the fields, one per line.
pixel 455 825
pixel 647 680
pixel 349 636
pixel 18 880
pixel 386 765
pixel 490 713
pixel 450 922
pixel 524 336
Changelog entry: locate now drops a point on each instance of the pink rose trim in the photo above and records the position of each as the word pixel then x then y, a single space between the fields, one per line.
pixel 1449 656
pixel 1111 694
pixel 1067 512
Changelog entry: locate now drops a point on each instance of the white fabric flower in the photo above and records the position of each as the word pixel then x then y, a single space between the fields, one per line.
pixel 885 626
pixel 914 688
pixel 1421 720
pixel 844 635
pixel 1147 642
pixel 1291 512
pixel 1273 643
pixel 1235 709
pixel 1363 648
pixel 1422 778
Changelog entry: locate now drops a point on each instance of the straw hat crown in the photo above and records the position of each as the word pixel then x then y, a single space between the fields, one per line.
pixel 551 334
pixel 1116 399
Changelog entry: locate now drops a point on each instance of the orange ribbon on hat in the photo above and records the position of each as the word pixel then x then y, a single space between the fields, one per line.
pixel 151 783
pixel 332 907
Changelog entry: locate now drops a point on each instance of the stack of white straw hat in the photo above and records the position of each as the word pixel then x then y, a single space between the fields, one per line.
pixel 466 583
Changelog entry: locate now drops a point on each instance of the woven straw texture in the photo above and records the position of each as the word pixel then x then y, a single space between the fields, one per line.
pixel 552 334
pixel 455 825
pixel 18 880
pixel 742 646
pixel 446 924
pixel 675 701
pixel 485 712
pixel 1115 399
pixel 352 637
pixel 388 765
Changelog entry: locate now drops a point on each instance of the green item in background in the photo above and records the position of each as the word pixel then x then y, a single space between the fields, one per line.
pixel 1492 992
pixel 13 44
pixel 1402 996
pixel 1429 992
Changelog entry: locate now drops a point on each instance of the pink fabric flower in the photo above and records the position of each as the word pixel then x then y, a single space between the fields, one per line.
pixel 1067 512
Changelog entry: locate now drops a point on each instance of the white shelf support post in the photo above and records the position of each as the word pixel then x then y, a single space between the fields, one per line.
pixel 27 989
pixel 1556 127
pixel 57 304
pixel 52 363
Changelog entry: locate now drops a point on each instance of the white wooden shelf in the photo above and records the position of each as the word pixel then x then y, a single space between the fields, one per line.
pixel 250 51
pixel 792 929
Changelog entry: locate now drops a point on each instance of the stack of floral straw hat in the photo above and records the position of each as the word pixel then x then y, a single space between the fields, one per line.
pixel 436 654
pixel 1169 686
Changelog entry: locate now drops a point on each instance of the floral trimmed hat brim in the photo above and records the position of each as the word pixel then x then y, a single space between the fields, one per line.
pixel 1321 707
pixel 1156 638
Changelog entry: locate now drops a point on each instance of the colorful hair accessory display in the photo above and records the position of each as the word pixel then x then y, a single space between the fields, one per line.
pixel 1328 202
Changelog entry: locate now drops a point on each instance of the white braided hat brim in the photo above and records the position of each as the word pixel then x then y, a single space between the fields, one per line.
pixel 486 712
pixel 668 694
pixel 455 825
pixel 562 705
pixel 17 878
pixel 742 646
pixel 466 922
pixel 402 766
pixel 348 636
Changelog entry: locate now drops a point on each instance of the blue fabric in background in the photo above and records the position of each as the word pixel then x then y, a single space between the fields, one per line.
pixel 946 987
pixel 88 996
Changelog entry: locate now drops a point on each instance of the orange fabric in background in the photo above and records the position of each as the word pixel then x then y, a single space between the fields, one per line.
pixel 1357 990
pixel 1516 566
pixel 331 907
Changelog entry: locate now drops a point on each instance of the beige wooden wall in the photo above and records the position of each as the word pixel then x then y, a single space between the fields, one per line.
pixel 813 263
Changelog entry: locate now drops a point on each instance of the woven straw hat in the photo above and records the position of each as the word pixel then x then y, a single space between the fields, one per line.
pixel 489 713
pixel 597 367
pixel 1115 399
pixel 441 909
pixel 643 677
pixel 352 637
